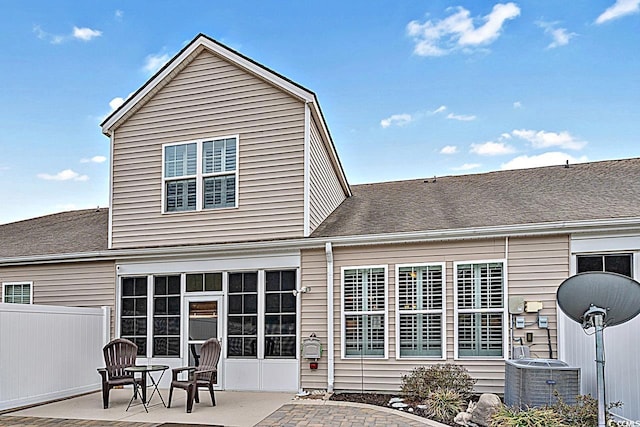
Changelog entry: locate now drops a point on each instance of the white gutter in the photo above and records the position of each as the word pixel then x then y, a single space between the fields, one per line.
pixel 330 355
pixel 541 229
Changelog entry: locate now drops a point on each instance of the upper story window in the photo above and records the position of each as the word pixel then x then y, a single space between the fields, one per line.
pixel 612 263
pixel 200 175
pixel 17 293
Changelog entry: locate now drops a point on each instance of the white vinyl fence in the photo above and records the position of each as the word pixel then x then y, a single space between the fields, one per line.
pixel 622 366
pixel 49 352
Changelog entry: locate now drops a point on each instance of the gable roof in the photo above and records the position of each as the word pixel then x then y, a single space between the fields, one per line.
pixel 201 42
pixel 588 191
pixel 80 231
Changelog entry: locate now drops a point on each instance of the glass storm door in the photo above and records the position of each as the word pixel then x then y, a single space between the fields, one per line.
pixel 204 322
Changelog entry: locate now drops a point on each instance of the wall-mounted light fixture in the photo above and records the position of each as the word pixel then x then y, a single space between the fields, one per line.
pixel 302 290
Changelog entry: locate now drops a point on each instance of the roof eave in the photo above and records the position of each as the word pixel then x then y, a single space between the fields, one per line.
pixel 518 230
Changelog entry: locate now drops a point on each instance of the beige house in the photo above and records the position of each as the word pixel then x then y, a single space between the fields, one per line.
pixel 231 216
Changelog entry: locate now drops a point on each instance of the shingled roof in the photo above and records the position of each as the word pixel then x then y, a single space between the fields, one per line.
pixel 587 191
pixel 67 232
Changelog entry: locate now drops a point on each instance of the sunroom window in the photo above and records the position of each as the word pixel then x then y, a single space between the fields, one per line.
pixel 364 313
pixel 480 309
pixel 420 291
pixel 200 175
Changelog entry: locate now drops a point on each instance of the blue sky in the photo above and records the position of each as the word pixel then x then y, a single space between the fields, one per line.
pixel 409 89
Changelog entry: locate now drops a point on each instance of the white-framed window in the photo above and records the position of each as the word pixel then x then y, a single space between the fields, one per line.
pixel 201 174
pixel 479 309
pixel 621 263
pixel 364 312
pixel 17 292
pixel 420 314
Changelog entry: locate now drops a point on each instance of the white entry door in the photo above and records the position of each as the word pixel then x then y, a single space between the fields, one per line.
pixel 204 321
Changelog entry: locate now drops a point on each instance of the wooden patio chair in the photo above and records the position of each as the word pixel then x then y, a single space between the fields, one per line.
pixel 119 354
pixel 203 375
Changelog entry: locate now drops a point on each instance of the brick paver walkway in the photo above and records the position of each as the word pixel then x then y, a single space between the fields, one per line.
pixel 297 415
pixel 9 421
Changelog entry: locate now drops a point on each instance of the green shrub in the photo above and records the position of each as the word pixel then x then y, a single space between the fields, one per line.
pixel 445 376
pixel 532 417
pixel 444 405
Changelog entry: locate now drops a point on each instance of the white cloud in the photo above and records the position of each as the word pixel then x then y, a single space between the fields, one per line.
pixel 505 136
pixel 618 10
pixel 94 159
pixel 153 63
pixel 115 103
pixel 543 139
pixel 544 159
pixel 440 109
pixel 491 148
pixel 85 34
pixel 65 175
pixel 467 166
pixel 449 149
pixel 396 120
pixel 560 36
pixel 460 117
pixel 118 14
pixel 457 31
pixel 517 104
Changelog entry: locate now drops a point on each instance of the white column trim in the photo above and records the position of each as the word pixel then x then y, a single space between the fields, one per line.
pixel 307 171
pixel 330 316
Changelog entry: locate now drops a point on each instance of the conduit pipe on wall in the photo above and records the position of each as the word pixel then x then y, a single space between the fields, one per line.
pixel 330 355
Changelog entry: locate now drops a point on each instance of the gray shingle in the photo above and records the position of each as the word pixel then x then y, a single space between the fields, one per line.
pixel 588 191
pixel 66 232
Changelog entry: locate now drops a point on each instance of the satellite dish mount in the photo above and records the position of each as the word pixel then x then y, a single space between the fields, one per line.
pixel 598 300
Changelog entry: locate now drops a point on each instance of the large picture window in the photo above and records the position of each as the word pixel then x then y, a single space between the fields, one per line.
pixel 17 293
pixel 200 175
pixel 612 263
pixel 480 306
pixel 364 311
pixel 421 301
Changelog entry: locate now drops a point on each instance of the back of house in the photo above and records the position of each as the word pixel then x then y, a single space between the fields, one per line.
pixel 231 217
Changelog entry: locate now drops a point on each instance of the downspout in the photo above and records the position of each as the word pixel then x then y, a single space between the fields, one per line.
pixel 330 355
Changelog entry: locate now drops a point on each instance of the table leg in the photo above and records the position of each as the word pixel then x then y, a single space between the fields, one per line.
pixel 135 395
pixel 155 387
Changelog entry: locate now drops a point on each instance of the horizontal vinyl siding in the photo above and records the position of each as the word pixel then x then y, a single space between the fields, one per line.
pixel 313 315
pixel 212 98
pixel 326 193
pixel 82 284
pixel 535 267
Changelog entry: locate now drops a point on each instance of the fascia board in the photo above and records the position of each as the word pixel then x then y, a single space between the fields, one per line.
pixel 219 49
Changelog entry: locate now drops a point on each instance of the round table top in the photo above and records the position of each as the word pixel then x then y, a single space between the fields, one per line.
pixel 146 368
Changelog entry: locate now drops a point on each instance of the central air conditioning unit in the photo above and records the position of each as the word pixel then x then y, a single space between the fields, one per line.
pixel 534 382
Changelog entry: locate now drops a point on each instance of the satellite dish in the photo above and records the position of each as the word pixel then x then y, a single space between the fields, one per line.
pixel 619 295
pixel 598 299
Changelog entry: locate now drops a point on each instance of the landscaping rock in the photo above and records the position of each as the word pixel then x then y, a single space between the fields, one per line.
pixel 395 400
pixel 399 405
pixel 486 407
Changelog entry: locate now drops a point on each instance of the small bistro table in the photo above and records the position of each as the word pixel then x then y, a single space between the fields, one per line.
pixel 147 370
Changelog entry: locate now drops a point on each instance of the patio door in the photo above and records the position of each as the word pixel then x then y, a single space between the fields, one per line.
pixel 204 321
